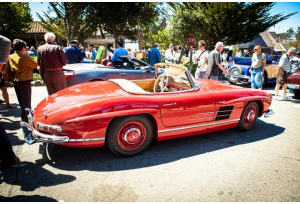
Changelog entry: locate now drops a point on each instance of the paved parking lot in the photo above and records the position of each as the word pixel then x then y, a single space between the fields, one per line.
pixel 262 164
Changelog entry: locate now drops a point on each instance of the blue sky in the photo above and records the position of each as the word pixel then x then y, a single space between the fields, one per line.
pixel 280 7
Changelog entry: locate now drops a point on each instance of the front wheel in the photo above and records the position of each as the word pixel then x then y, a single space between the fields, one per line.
pixel 130 135
pixel 248 117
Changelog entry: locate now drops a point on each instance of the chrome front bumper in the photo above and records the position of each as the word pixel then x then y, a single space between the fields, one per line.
pixel 269 113
pixel 36 136
pixel 41 137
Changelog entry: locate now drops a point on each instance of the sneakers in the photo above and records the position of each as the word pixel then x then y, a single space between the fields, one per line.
pixel 285 98
pixel 278 98
pixel 281 98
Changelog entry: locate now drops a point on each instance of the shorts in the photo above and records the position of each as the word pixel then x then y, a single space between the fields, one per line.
pixel 282 78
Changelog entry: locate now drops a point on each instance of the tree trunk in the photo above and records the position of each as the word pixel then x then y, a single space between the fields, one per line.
pixel 191 58
pixel 101 31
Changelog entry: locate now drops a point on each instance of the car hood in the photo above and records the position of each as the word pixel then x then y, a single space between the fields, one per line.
pixel 78 100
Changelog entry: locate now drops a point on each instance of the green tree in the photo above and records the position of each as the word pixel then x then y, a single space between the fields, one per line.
pixel 286 35
pixel 230 22
pixel 162 37
pixel 15 18
pixel 70 21
pixel 122 19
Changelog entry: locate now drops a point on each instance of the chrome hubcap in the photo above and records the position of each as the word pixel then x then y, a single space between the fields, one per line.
pixel 132 135
pixel 251 115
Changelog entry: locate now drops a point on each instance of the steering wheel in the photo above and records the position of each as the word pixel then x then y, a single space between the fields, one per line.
pixel 161 83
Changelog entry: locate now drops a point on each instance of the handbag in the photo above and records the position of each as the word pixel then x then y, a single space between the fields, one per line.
pixel 7 74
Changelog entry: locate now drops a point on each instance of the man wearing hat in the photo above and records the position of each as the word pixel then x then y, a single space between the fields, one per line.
pixel 257 67
pixel 284 70
pixel 73 53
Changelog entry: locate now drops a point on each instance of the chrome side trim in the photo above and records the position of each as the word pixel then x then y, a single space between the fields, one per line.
pixel 205 113
pixel 196 126
pixel 86 140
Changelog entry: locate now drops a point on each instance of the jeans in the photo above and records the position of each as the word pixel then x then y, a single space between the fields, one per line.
pixel 201 75
pixel 256 78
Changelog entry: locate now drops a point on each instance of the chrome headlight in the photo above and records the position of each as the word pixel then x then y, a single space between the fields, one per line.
pixel 48 128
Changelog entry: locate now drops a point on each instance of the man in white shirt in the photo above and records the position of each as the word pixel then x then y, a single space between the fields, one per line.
pixel 201 58
pixel 284 70
pixel 170 54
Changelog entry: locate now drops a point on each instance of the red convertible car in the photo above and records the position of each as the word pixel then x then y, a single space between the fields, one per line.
pixel 127 115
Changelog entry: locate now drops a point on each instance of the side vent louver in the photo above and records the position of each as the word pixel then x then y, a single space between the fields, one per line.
pixel 224 112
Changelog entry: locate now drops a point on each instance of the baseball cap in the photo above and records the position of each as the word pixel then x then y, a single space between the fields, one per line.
pixel 293 50
pixel 257 47
pixel 74 42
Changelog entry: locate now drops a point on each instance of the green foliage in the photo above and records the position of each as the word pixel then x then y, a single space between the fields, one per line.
pixel 230 22
pixel 298 40
pixel 15 18
pixel 162 37
pixel 287 35
pixel 122 19
pixel 37 77
pixel 70 21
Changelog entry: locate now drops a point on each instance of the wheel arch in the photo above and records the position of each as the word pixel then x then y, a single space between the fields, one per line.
pixel 148 115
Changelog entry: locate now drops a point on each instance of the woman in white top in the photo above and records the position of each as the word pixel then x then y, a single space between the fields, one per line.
pixel 201 57
pixel 170 54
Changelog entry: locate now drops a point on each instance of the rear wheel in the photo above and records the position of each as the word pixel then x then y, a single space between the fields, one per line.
pixel 129 136
pixel 234 71
pixel 248 117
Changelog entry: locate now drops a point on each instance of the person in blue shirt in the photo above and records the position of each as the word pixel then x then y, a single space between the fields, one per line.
pixel 32 52
pixel 118 52
pixel 73 53
pixel 94 53
pixel 154 54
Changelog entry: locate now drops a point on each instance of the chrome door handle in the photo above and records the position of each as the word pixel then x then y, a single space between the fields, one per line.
pixel 169 104
pixel 123 74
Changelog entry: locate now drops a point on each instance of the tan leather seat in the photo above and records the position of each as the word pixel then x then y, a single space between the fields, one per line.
pixel 128 86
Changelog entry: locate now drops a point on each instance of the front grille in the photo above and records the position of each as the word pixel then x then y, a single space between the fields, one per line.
pixel 224 112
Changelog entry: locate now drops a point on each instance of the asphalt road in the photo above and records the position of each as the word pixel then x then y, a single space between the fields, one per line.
pixel 262 164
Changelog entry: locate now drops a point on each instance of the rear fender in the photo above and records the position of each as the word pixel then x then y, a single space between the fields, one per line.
pixel 246 99
pixel 261 100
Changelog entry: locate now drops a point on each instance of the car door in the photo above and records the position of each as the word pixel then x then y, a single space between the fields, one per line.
pixel 186 108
